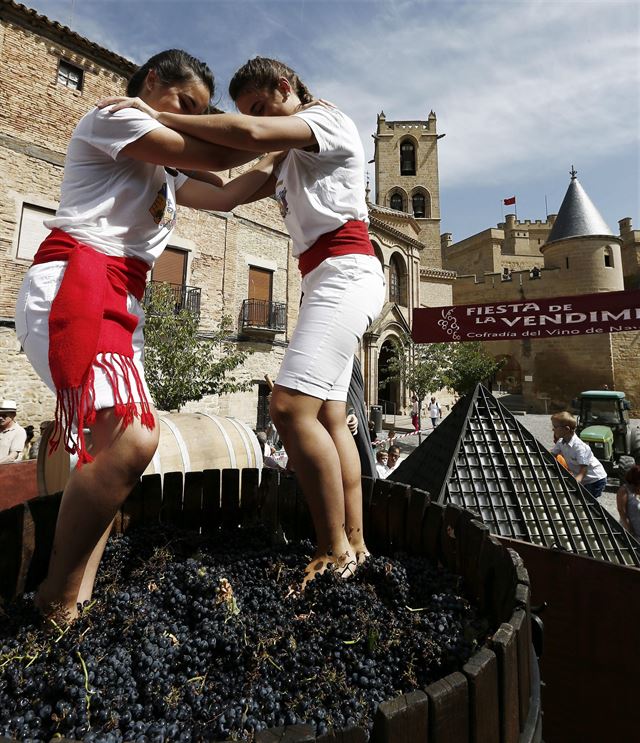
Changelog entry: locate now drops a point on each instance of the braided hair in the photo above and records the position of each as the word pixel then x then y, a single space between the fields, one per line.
pixel 262 72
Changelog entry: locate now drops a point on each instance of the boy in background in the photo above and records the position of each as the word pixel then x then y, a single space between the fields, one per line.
pixel 581 461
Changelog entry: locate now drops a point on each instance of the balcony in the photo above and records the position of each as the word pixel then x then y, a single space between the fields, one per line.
pixel 184 297
pixel 261 316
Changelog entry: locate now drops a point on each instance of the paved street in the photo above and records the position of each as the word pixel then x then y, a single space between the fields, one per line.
pixel 538 425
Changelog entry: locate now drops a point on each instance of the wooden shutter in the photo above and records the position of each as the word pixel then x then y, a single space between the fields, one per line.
pixel 171 267
pixel 260 281
pixel 260 285
pixel 32 231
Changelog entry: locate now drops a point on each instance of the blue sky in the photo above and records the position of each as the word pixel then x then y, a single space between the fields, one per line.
pixel 523 89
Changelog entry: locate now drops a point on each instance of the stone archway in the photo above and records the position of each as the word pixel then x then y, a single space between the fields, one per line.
pixel 388 389
pixel 509 378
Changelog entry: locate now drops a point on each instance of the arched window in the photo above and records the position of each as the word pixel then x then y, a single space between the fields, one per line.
pixel 417 201
pixel 407 158
pixel 396 202
pixel 397 281
pixel 378 252
pixel 394 282
pixel 608 257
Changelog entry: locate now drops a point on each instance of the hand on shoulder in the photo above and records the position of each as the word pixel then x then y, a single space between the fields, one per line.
pixel 117 103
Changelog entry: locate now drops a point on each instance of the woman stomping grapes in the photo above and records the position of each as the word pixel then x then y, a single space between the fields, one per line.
pixel 78 315
pixel 319 186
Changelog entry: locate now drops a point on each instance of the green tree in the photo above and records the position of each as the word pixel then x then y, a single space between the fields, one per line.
pixel 424 368
pixel 421 367
pixel 180 364
pixel 471 364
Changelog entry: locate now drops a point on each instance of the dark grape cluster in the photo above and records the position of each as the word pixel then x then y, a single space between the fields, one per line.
pixel 198 639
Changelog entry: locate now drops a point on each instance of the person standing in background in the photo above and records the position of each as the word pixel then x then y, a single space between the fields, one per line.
pixel 434 412
pixel 12 435
pixel 415 412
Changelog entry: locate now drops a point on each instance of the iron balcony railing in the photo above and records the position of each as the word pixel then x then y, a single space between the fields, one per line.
pixel 260 314
pixel 184 297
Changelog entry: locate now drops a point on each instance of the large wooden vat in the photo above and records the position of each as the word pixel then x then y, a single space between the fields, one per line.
pixel 495 698
pixel 189 442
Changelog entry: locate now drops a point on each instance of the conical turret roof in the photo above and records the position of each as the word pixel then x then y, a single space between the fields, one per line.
pixel 578 216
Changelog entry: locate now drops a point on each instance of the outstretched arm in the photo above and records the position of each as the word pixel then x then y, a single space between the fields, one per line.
pixel 240 132
pixel 200 195
pixel 163 146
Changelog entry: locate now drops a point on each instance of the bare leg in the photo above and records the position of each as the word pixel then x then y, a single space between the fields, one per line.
pixel 89 504
pixel 333 417
pixel 89 577
pixel 316 462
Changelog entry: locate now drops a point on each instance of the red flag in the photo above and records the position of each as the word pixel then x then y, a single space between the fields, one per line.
pixel 510 202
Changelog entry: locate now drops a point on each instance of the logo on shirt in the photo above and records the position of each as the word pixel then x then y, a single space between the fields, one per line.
pixel 162 210
pixel 281 198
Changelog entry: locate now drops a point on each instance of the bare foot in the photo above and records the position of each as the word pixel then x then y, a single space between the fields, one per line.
pixel 54 610
pixel 362 554
pixel 343 566
pixel 357 545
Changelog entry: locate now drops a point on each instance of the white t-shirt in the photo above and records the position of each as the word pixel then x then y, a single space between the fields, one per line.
pixel 382 470
pixel 12 440
pixel 320 191
pixel 118 205
pixel 576 453
pixel 434 410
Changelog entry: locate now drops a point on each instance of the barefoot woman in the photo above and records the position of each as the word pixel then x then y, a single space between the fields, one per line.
pixel 78 315
pixel 320 189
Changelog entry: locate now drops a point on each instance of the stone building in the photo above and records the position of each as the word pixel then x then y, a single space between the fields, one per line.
pixel 238 264
pixel 571 253
pixel 405 231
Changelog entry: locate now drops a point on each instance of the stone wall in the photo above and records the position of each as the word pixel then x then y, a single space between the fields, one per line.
pixel 625 348
pixel 19 382
pixel 37 117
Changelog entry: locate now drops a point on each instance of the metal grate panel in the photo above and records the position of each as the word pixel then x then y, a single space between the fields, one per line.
pixel 481 458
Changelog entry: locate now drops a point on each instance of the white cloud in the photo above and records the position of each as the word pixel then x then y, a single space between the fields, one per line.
pixel 511 83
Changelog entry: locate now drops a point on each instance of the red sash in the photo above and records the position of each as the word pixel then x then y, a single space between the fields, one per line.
pixel 88 319
pixel 351 238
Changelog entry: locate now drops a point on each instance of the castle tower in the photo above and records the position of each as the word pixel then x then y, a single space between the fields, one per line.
pixel 406 175
pixel 582 245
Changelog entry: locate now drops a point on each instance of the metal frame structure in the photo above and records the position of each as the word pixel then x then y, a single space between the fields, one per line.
pixel 482 458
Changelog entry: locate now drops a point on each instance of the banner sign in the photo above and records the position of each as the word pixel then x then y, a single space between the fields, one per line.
pixel 605 312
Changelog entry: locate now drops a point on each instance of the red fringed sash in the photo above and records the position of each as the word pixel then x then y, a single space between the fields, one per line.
pixel 88 320
pixel 351 238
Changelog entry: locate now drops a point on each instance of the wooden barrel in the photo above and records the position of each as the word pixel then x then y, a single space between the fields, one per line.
pixel 189 442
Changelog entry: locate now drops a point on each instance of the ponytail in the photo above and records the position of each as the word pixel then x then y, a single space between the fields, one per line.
pixel 261 72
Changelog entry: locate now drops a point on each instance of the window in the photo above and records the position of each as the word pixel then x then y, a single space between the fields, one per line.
pixel 396 202
pixel 69 75
pixel 407 158
pixel 171 267
pixel 608 257
pixel 397 281
pixel 418 205
pixel 260 294
pixel 32 230
pixel 566 262
pixel 394 282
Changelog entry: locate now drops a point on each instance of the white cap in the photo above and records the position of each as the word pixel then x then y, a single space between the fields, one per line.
pixel 8 405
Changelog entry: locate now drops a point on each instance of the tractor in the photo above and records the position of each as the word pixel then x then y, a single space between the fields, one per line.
pixel 603 423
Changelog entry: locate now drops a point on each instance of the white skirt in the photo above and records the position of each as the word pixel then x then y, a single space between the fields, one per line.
pixel 341 298
pixel 38 290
